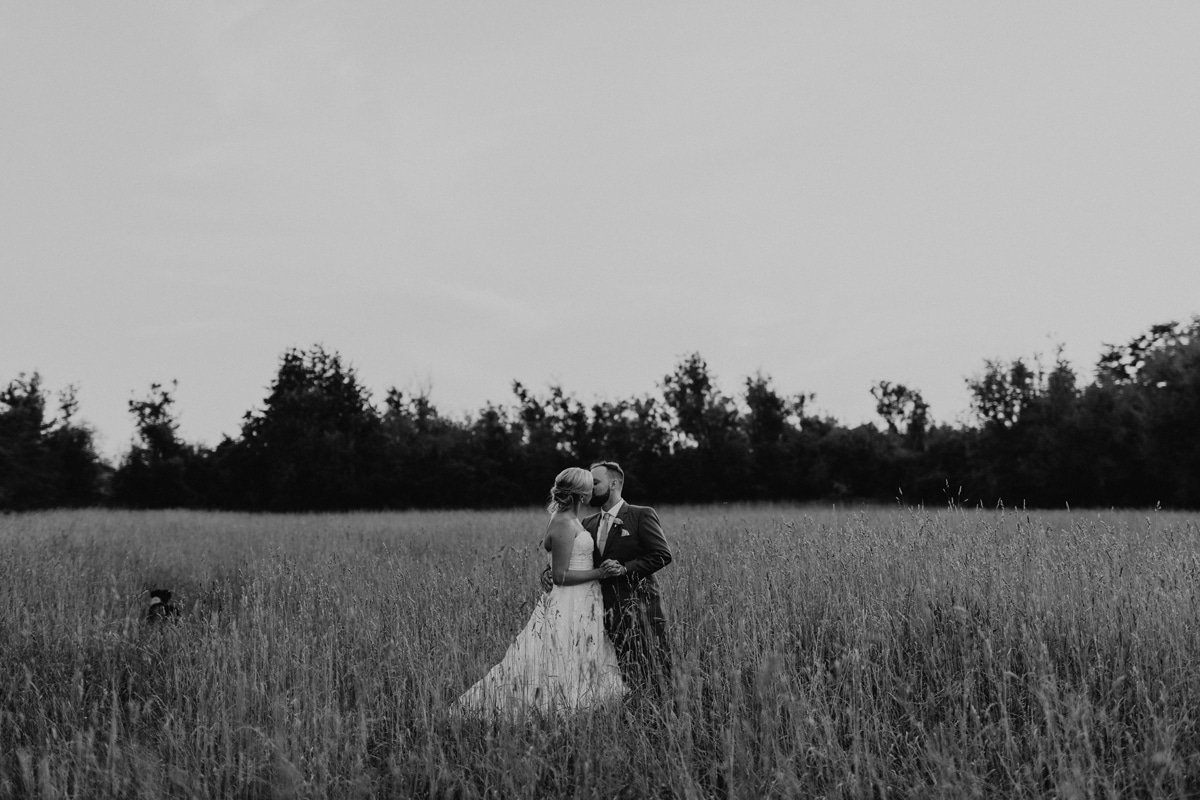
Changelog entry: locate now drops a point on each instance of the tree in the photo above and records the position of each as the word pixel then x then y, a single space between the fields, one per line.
pixel 771 426
pixel 557 431
pixel 316 443
pixel 861 463
pixel 704 417
pixel 155 422
pixel 26 480
pixel 1002 393
pixel 709 453
pixel 160 470
pixel 501 476
pixel 1031 448
pixel 428 460
pixel 82 474
pixel 45 462
pixel 904 410
pixel 1160 348
pixel 1159 380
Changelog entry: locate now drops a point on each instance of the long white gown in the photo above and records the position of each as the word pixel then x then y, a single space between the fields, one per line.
pixel 561 661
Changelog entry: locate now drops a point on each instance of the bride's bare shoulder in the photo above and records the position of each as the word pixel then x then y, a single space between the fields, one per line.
pixel 561 527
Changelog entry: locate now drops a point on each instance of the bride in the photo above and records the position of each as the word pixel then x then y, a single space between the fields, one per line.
pixel 562 659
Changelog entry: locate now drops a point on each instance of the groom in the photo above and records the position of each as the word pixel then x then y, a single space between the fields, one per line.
pixel 630 548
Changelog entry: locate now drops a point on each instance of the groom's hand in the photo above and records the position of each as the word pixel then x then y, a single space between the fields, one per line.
pixel 547 580
pixel 612 568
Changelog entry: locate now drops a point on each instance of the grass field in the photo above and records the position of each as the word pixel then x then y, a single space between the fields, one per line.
pixel 819 652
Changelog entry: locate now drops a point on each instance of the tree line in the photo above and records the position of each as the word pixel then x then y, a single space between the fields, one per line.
pixel 1038 437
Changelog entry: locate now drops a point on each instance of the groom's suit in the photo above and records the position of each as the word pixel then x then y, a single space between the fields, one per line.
pixel 633 614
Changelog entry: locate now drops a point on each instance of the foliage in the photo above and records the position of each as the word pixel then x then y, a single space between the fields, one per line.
pixel 1145 358
pixel 708 445
pixel 45 462
pixel 160 470
pixel 904 410
pixel 1040 437
pixel 771 425
pixel 316 442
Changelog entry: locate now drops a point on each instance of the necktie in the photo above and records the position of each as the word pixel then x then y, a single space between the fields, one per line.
pixel 602 533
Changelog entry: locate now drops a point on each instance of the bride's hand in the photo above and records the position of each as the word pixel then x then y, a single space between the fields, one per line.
pixel 612 569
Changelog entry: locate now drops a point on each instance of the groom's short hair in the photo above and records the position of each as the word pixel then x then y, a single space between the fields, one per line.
pixel 612 468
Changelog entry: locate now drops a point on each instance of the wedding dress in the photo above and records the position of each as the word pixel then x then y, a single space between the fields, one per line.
pixel 562 660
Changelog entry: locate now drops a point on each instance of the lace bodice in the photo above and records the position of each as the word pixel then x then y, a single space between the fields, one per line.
pixel 581 555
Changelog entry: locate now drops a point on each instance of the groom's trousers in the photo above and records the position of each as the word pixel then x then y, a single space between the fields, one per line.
pixel 638 629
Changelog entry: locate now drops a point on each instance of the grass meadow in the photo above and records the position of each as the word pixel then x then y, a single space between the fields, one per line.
pixel 820 652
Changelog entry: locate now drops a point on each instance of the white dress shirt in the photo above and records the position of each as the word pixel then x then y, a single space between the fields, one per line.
pixel 606 520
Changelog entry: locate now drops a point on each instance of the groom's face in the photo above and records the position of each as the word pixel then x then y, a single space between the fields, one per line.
pixel 601 487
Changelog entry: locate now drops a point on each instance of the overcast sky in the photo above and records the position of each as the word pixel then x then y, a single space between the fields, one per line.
pixel 455 196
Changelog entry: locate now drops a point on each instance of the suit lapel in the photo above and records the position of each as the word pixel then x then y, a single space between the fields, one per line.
pixel 614 530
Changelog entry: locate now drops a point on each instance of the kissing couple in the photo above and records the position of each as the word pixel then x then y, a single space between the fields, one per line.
pixel 598 633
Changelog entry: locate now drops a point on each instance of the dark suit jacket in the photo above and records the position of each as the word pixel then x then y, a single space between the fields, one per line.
pixel 639 544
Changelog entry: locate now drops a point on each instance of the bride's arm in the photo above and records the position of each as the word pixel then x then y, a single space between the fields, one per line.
pixel 562 543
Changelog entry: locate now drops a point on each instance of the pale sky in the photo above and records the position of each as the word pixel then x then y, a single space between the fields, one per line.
pixel 457 195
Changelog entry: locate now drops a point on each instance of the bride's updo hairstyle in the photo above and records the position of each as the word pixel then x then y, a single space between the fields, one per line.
pixel 570 487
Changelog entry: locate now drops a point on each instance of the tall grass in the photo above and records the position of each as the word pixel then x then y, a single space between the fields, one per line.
pixel 819 652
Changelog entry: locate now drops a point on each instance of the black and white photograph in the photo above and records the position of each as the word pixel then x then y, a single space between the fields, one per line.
pixel 599 400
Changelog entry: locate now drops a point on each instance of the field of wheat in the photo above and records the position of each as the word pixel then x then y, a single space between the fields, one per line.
pixel 820 652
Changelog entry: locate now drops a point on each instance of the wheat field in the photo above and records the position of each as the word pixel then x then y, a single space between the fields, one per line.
pixel 820 652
